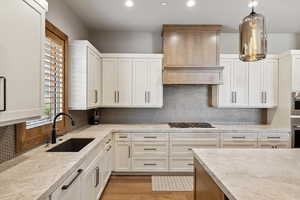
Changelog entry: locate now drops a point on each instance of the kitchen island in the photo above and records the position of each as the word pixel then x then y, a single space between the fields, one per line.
pixel 247 174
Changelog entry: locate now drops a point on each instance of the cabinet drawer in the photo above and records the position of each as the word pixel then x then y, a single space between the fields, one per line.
pixel 150 164
pixel 153 149
pixel 150 137
pixel 239 140
pixel 274 137
pixel 122 136
pixel 181 165
pixel 199 137
pixel 274 145
pixel 186 149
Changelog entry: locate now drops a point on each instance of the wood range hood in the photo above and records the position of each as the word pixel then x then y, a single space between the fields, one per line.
pixel 191 55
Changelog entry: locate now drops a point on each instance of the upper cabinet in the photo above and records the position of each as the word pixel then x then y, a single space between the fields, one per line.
pixel 84 76
pixel 263 81
pixel 191 54
pixel 117 81
pixel 132 80
pixel 21 57
pixel 234 91
pixel 247 85
pixel 290 70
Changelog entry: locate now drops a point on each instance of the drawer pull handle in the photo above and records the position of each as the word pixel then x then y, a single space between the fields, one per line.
pixel 239 137
pixel 108 148
pixel 97 176
pixel 190 149
pixel 273 137
pixel 150 137
pixel 129 152
pixel 123 137
pixel 65 187
pixel 150 149
pixel 190 164
pixel 4 94
pixel 150 164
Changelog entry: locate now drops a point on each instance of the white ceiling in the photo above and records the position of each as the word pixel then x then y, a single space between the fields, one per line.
pixel 149 15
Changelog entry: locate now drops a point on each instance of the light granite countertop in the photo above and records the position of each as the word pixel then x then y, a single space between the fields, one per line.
pixel 248 174
pixel 36 174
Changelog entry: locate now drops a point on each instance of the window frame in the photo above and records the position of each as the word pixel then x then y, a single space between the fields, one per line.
pixel 27 139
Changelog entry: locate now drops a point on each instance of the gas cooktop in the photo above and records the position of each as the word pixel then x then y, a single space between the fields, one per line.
pixel 189 125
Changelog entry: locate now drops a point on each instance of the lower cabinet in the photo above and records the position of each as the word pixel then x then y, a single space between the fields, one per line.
pixel 274 141
pixel 150 164
pixel 70 189
pixel 239 140
pixel 107 162
pixel 181 145
pixel 122 156
pixel 92 179
pixel 89 181
pixel 181 164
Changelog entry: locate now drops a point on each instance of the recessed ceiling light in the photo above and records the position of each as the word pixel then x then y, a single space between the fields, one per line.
pixel 190 3
pixel 164 3
pixel 252 4
pixel 129 3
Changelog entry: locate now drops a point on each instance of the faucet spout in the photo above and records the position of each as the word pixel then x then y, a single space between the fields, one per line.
pixel 53 133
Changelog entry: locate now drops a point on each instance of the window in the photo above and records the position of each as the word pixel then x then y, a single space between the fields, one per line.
pixel 53 80
pixel 36 132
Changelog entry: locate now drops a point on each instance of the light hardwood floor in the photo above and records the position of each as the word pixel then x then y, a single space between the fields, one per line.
pixel 138 188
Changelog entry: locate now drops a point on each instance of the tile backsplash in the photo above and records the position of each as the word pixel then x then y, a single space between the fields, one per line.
pixel 7 143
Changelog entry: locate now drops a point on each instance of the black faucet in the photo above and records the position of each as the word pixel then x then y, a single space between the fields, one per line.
pixel 53 136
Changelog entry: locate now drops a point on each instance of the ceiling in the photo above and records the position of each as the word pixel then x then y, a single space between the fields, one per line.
pixel 282 16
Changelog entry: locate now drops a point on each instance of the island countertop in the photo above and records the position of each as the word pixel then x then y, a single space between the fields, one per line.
pixel 247 174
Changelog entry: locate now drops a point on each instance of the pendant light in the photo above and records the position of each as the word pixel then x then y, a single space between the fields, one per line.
pixel 253 37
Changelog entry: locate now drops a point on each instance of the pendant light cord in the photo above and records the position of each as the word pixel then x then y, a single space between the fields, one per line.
pixel 253 12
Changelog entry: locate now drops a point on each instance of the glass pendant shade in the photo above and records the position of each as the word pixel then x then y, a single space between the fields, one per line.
pixel 253 38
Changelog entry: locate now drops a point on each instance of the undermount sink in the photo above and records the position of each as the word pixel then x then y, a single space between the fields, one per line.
pixel 72 145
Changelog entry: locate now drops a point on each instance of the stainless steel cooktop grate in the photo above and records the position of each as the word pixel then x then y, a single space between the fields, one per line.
pixel 189 125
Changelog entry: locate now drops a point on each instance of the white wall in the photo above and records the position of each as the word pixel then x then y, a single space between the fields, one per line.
pixel 65 19
pixel 126 42
pixel 147 42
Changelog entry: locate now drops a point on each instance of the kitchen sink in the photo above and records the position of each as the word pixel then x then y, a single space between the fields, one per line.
pixel 72 145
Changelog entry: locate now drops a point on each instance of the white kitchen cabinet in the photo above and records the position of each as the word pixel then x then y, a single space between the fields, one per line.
pixel 92 181
pixel 107 161
pixel 117 82
pixel 132 80
pixel 181 164
pixel 274 141
pixel 21 60
pixel 181 145
pixel 247 85
pixel 122 156
pixel 263 83
pixel 85 90
pixel 147 83
pixel 239 140
pixel 70 189
pixel 234 91
pixel 295 70
pixel 150 164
